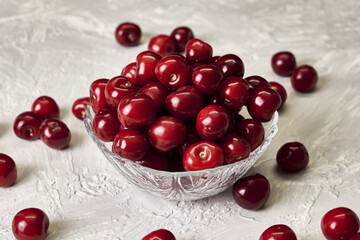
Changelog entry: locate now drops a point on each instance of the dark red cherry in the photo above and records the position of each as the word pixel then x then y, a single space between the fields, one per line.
pixel 304 79
pixel 263 103
pixel 280 90
pixel 8 172
pixel 117 88
pixel 78 107
pixel 45 107
pixel 252 130
pixel 106 125
pixel 162 44
pixel 197 51
pixel 278 232
pixel 155 160
pixel 97 94
pixel 256 81
pixel 181 35
pixel 129 71
pixel 230 65
pixel 157 92
pixel 30 224
pixel 55 134
pixel 235 148
pixel 27 126
pixel 131 144
pixel 234 93
pixel 340 224
pixel 214 60
pixel 283 63
pixel 292 157
pixel 128 34
pixel 191 138
pixel 355 237
pixel 173 71
pixel 161 234
pixel 146 62
pixel 206 78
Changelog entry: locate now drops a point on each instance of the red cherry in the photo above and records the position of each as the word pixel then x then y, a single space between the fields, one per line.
pixel 55 134
pixel 155 160
pixel 191 138
pixel 162 44
pixel 355 237
pixel 8 172
pixel 166 133
pixel 263 103
pixel 340 224
pixel 234 93
pixel 256 81
pixel 130 144
pixel 278 232
pixel 157 92
pixel 97 94
pixel 230 65
pixel 128 34
pixel 129 71
pixel 283 63
pixel 197 51
pixel 30 224
pixel 173 71
pixel 304 79
pixel 181 36
pixel 214 99
pixel 292 157
pixel 106 125
pixel 206 78
pixel 280 90
pixel 202 155
pixel 251 192
pixel 252 130
pixel 235 148
pixel 145 67
pixel 117 88
pixel 161 234
pixel 27 126
pixel 78 108
pixel 213 122
pixel 45 107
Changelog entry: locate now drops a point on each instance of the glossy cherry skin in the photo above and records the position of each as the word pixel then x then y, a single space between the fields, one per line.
pixel 106 125
pixel 131 144
pixel 292 157
pixel 278 232
pixel 30 224
pixel 235 148
pixel 162 44
pixel 129 71
pixel 283 63
pixel 304 79
pixel 340 224
pixel 256 81
pixel 280 90
pixel 161 234
pixel 27 126
pixel 117 88
pixel 185 103
pixel 355 237
pixel 136 110
pixel 157 92
pixel 263 103
pixel 197 51
pixel 173 71
pixel 128 34
pixel 155 160
pixel 251 192
pixel 8 172
pixel 55 134
pixel 213 122
pixel 181 35
pixel 206 78
pixel 97 94
pixel 78 107
pixel 166 133
pixel 146 62
pixel 252 130
pixel 230 65
pixel 45 107
pixel 234 93
pixel 202 155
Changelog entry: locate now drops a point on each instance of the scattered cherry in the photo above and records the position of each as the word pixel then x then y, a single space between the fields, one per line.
pixel 161 234
pixel 292 157
pixel 78 108
pixel 55 134
pixel 181 36
pixel 234 93
pixel 30 224
pixel 206 78
pixel 263 103
pixel 197 51
pixel 235 148
pixel 278 232
pixel 162 44
pixel 27 126
pixel 8 172
pixel 145 67
pixel 230 65
pixel 304 79
pixel 45 107
pixel 106 125
pixel 129 71
pixel 280 90
pixel 157 92
pixel 117 88
pixel 283 63
pixel 155 160
pixel 97 94
pixel 131 144
pixel 128 34
pixel 252 130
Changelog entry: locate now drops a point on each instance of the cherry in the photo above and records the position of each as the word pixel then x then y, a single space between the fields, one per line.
pixel 97 94
pixel 162 44
pixel 214 60
pixel 117 88
pixel 157 92
pixel 213 122
pixel 263 103
pixel 235 148
pixel 251 192
pixel 136 110
pixel 304 79
pixel 340 224
pixel 129 71
pixel 161 234
pixel 202 155
pixel 131 144
pixel 252 130
pixel 280 90
pixel 78 108
pixel 283 63
pixel 197 51
pixel 173 71
pixel 256 81
pixel 230 65
pixel 185 103
pixel 278 232
pixel 166 133
pixel 27 126
pixel 8 172
pixel 206 78
pixel 45 107
pixel 181 36
pixel 128 34
pixel 106 125
pixel 292 157
pixel 155 160
pixel 30 224
pixel 234 93
pixel 145 67
pixel 55 134
pixel 355 237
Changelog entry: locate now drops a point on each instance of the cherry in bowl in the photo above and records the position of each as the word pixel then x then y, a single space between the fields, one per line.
pixel 78 108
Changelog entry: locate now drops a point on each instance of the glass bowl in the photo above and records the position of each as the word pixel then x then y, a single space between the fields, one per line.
pixel 182 186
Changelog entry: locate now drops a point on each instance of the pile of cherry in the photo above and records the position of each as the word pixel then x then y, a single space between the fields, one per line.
pixel 174 112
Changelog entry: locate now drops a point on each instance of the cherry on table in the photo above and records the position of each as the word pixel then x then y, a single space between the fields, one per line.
pixel 45 107
pixel 78 107
pixel 197 51
pixel 206 78
pixel 128 34
pixel 160 234
pixel 8 172
pixel 131 144
pixel 117 88
pixel 283 63
pixel 97 94
pixel 55 134
pixel 304 79
pixel 27 126
pixel 252 130
pixel 235 148
pixel 162 44
pixel 106 125
pixel 146 62
pixel 280 90
pixel 230 65
pixel 292 157
pixel 30 224
pixel 278 232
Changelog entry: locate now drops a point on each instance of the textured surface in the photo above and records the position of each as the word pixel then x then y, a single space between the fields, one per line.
pixel 59 47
